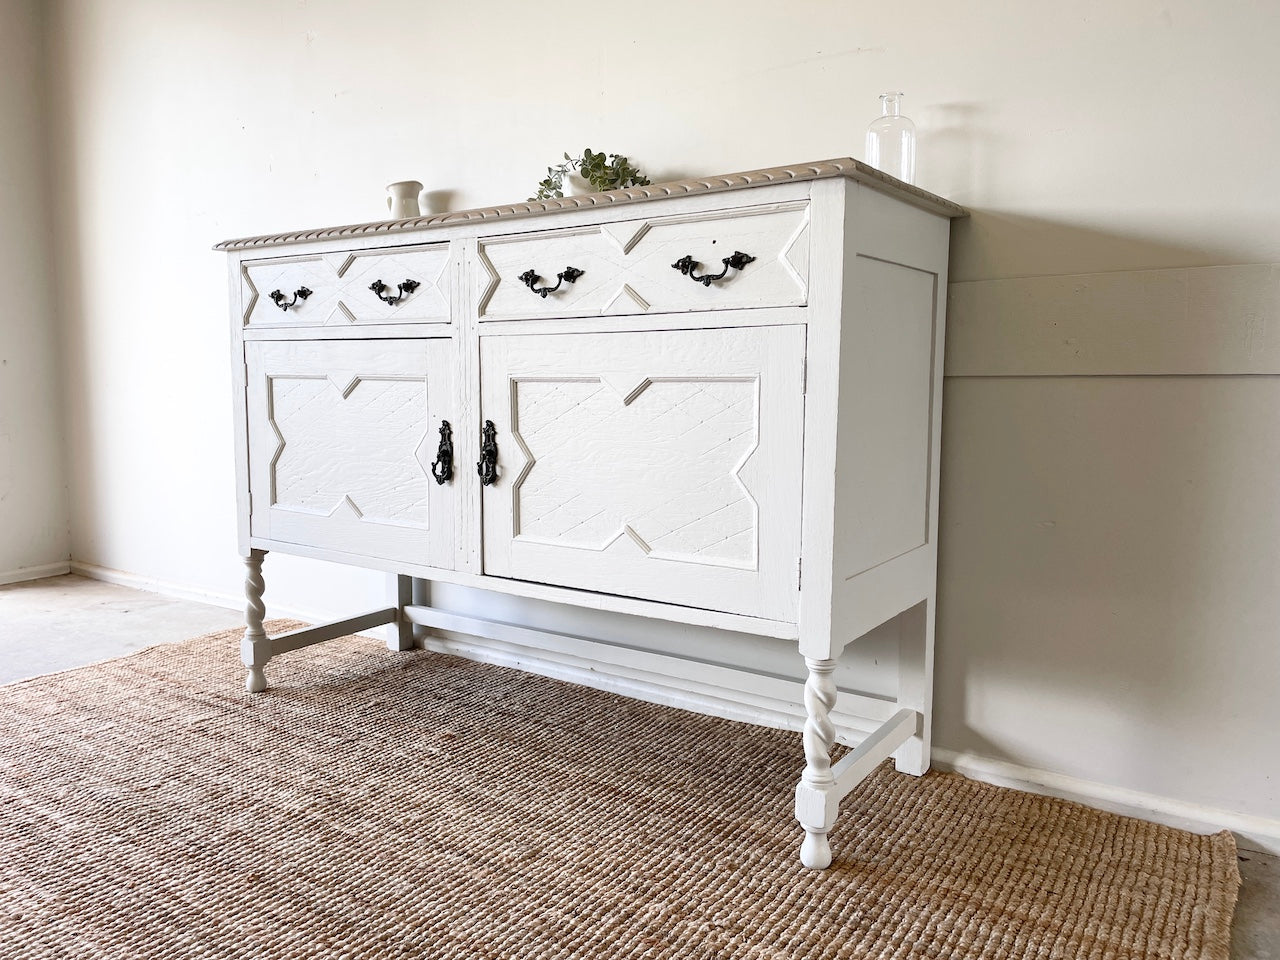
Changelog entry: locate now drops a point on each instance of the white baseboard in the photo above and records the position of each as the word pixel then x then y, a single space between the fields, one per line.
pixel 1251 832
pixel 179 591
pixel 23 574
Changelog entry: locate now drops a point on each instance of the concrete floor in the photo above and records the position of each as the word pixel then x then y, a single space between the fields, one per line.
pixel 64 622
pixel 1255 932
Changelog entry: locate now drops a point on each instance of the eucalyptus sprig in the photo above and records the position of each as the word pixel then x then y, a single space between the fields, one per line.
pixel 611 172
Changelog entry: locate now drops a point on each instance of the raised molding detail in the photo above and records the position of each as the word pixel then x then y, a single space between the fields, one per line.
pixel 388 415
pixel 842 167
pixel 626 291
pixel 248 295
pixel 625 235
pixel 795 256
pixel 716 420
pixel 491 281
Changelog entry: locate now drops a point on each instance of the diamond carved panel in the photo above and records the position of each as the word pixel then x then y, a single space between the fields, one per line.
pixel 657 462
pixel 427 267
pixel 356 447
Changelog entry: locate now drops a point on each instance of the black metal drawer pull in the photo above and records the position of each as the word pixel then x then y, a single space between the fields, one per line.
pixel 278 298
pixel 487 468
pixel 442 469
pixel 568 275
pixel 405 288
pixel 687 265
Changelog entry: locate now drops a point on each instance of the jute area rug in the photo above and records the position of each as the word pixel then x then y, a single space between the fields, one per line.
pixel 375 804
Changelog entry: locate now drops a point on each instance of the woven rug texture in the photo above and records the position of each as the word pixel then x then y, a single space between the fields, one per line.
pixel 376 804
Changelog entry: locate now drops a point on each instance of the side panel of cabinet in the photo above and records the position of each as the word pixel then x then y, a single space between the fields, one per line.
pixel 664 466
pixel 342 435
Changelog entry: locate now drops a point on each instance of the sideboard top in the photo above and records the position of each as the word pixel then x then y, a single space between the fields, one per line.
pixel 842 167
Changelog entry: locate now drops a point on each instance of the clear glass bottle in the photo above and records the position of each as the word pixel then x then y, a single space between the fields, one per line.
pixel 891 140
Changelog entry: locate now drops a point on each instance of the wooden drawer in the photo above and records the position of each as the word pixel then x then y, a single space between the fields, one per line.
pixel 631 267
pixel 336 288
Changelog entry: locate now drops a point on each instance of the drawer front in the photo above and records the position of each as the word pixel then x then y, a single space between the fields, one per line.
pixel 342 435
pixel 630 267
pixel 335 288
pixel 664 466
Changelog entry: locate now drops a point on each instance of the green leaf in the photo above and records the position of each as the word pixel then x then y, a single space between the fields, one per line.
pixel 604 171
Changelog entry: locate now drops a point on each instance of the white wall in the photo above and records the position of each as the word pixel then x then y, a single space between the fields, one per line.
pixel 34 537
pixel 1109 566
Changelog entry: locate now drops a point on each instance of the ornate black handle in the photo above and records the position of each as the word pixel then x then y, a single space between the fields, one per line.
pixel 687 265
pixel 300 294
pixel 407 287
pixel 487 468
pixel 442 469
pixel 567 275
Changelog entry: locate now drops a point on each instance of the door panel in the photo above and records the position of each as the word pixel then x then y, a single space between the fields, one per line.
pixel 665 466
pixel 342 434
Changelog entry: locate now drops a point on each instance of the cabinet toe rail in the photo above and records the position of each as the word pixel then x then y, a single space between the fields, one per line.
pixel 306 636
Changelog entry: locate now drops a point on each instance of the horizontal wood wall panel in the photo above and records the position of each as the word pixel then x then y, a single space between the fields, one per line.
pixel 1195 321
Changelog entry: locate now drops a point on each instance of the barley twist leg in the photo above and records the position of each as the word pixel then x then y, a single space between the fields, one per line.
pixel 819 737
pixel 255 648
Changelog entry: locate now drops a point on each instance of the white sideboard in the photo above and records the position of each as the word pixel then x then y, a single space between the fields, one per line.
pixel 713 402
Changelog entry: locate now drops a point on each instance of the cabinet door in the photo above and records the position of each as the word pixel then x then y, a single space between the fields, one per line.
pixel 342 434
pixel 665 466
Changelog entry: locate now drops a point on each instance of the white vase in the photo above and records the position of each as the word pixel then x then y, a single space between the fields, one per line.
pixel 402 199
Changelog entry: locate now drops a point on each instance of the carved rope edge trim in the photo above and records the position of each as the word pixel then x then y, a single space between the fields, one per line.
pixel 843 167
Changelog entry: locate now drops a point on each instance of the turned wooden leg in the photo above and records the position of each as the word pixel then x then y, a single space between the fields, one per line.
pixel 817 800
pixel 255 647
